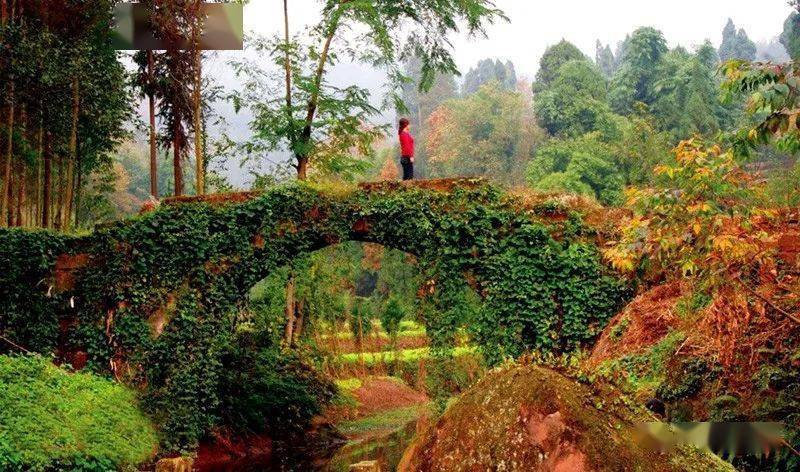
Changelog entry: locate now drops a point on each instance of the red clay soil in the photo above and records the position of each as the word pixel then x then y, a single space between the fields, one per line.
pixel 381 394
pixel 649 317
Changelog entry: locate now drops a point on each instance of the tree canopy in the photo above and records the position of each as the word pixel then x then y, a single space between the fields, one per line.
pixel 491 133
pixel 304 114
pixel 553 58
pixel 489 70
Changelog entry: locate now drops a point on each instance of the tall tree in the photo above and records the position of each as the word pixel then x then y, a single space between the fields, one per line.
pixel 197 25
pixel 147 84
pixel 176 23
pixel 63 77
pixel 574 102
pixel 489 70
pixel 604 59
pixel 687 101
pixel 735 44
pixel 7 23
pixel 635 80
pixel 790 37
pixel 553 58
pixel 330 133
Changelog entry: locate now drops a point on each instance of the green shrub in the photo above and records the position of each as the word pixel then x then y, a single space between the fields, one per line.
pixel 272 391
pixel 29 316
pixel 54 420
pixel 391 316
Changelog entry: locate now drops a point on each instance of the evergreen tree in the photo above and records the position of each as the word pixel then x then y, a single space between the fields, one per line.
pixel 553 58
pixel 619 53
pixel 65 107
pixel 635 80
pixel 574 103
pixel 735 44
pixel 604 59
pixel 488 70
pixel 688 93
pixel 790 38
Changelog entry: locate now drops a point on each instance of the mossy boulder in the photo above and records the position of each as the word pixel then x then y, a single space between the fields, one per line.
pixel 533 418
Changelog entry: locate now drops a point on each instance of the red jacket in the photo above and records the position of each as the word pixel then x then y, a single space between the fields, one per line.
pixel 406 144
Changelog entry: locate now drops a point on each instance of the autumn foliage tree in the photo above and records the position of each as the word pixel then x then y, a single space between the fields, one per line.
pixel 491 133
pixel 696 219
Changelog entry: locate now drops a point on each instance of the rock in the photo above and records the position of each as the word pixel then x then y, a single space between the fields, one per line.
pixel 534 419
pixel 366 466
pixel 175 464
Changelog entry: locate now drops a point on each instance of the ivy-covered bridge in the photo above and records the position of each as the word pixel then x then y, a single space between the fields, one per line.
pixel 149 299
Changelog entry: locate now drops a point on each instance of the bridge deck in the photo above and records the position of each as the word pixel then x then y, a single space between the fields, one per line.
pixel 442 185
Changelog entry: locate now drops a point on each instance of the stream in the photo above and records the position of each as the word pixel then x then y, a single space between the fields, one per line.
pixel 387 449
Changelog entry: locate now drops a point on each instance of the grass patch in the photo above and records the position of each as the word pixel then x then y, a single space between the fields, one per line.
pixel 349 384
pixel 406 355
pixel 647 370
pixel 344 335
pixel 51 419
pixel 383 421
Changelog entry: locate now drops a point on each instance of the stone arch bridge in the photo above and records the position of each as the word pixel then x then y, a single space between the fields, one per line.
pixel 143 298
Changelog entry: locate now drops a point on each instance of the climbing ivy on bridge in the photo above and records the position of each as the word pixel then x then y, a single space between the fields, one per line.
pixel 156 305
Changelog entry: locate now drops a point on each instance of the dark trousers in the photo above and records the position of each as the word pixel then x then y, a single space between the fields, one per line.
pixel 408 168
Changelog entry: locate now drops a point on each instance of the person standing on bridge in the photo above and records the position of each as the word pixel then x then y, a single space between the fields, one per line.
pixel 406 149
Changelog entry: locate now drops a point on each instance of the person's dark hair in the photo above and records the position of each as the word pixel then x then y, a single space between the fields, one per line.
pixel 403 125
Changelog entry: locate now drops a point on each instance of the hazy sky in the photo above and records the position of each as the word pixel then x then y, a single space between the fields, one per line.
pixel 536 24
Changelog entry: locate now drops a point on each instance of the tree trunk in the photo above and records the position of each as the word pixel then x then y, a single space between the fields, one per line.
pixel 4 203
pixel 21 171
pixel 298 324
pixel 12 213
pixel 69 183
pixel 302 167
pixel 287 67
pixel 177 171
pixel 58 188
pixel 200 177
pixel 47 162
pixel 22 177
pixel 37 178
pixel 78 187
pixel 288 334
pixel 153 154
pixel 305 135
